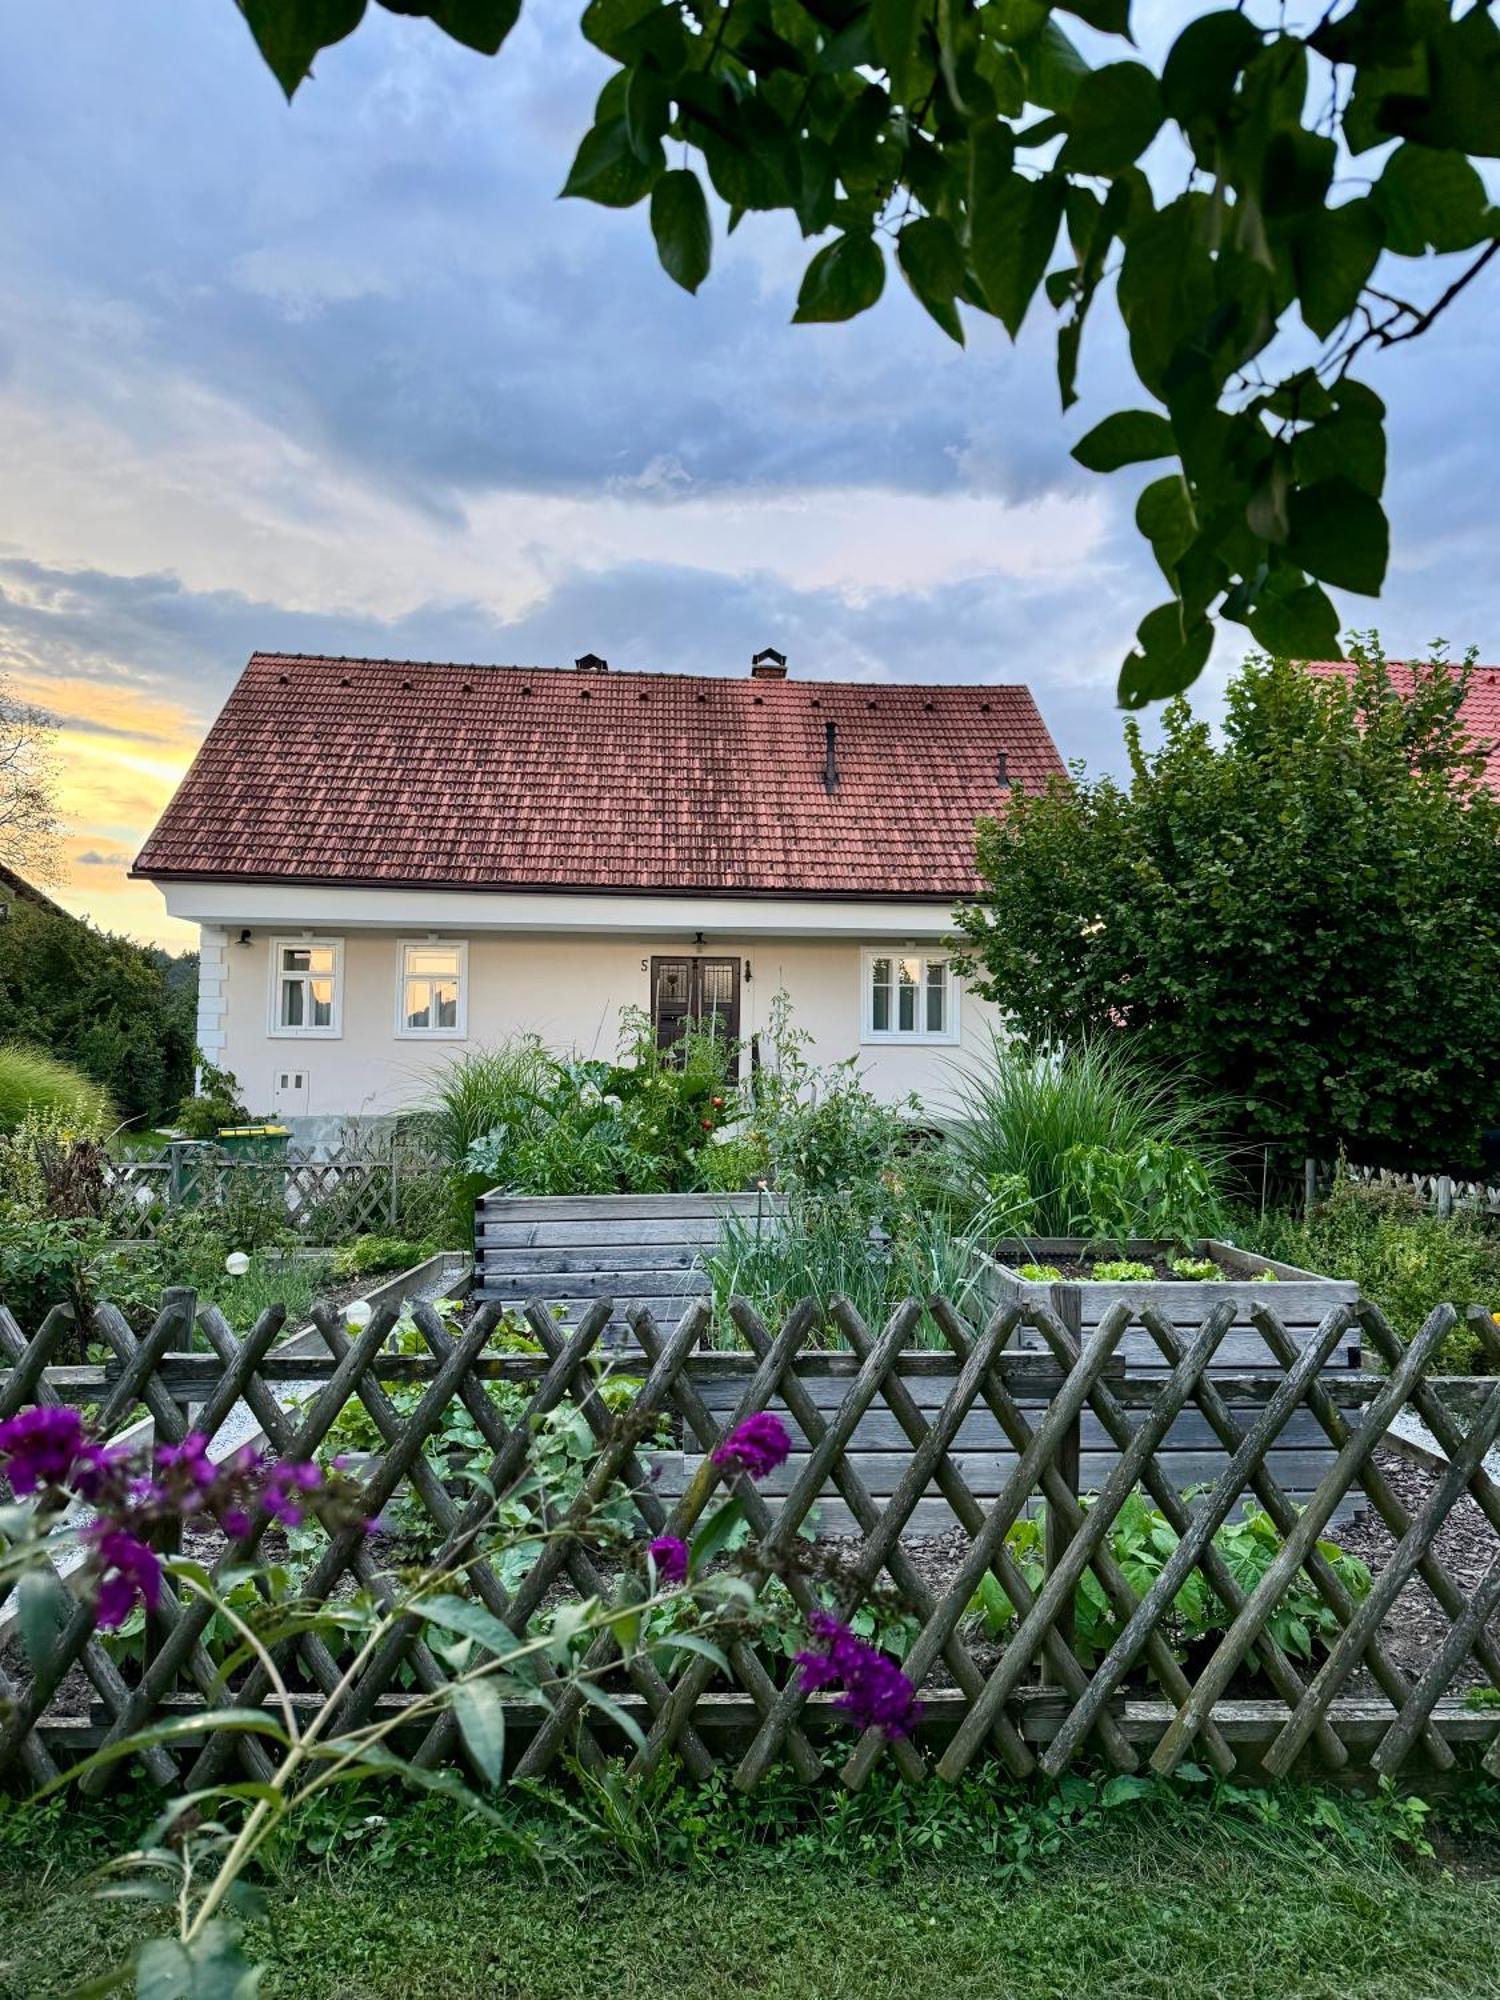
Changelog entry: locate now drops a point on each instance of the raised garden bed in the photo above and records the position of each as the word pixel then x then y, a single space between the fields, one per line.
pixel 1082 1293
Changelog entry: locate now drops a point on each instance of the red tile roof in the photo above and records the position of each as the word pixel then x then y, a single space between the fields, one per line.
pixel 1481 709
pixel 395 772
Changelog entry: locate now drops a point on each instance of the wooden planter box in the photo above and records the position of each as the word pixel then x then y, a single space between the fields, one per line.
pixel 1298 1298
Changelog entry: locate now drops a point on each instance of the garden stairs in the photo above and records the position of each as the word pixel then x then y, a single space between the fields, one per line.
pixel 637 1249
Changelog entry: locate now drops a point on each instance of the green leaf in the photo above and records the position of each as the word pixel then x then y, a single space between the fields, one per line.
pixel 595 1696
pixel 289 33
pixel 1164 514
pixel 1342 443
pixel 845 278
pixel 607 170
pixel 1126 438
pixel 1296 175
pixel 1167 659
pixel 933 265
pixel 1054 69
pixel 1333 255
pixel 1204 64
pixel 608 24
pixel 713 1537
pixel 211 1967
pixel 895 27
pixel 694 1642
pixel 1296 622
pixel 481 1721
pixel 1014 228
pixel 679 222
pixel 1115 114
pixel 1431 199
pixel 1108 17
pixel 1339 535
pixel 42 1607
pixel 461 1614
pixel 478 24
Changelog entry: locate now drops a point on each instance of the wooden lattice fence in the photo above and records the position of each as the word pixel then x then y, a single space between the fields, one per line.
pixel 1032 1699
pixel 326 1199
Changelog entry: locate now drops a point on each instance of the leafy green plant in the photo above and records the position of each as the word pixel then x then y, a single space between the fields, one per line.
pixel 32 1081
pixel 1074 1126
pixel 655 1120
pixel 379 1253
pixel 1040 1274
pixel 1142 1542
pixel 1121 1271
pixel 1153 1188
pixel 1198 1270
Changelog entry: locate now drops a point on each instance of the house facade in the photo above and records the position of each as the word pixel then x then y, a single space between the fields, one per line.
pixel 392 861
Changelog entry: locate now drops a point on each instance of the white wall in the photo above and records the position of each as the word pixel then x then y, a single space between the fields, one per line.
pixel 566 988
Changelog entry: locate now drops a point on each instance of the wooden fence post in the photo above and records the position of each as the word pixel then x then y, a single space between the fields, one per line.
pixel 395 1205
pixel 1444 1196
pixel 1309 1186
pixel 1068 1301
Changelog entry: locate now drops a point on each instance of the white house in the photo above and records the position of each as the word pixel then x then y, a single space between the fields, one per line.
pixel 391 860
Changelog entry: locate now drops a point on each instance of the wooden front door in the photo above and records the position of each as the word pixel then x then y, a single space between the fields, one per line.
pixel 703 992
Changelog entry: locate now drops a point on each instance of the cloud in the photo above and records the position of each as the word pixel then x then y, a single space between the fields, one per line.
pixel 92 859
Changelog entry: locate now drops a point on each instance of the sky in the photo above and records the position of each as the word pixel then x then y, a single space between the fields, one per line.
pixel 347 376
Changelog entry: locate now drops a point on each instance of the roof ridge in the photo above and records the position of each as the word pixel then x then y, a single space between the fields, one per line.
pixel 726 678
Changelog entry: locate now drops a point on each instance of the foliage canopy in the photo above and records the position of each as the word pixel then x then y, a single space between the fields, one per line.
pixel 1306 917
pixel 979 145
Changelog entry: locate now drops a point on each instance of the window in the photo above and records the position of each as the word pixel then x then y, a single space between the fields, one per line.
pixel 909 998
pixel 307 977
pixel 431 996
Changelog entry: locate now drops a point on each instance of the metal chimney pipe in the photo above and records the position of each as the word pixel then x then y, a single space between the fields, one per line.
pixel 830 757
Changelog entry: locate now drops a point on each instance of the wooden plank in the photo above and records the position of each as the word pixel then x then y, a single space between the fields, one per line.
pixel 612 1256
pixel 610 1207
pixel 655 1282
pixel 572 1235
pixel 980 1430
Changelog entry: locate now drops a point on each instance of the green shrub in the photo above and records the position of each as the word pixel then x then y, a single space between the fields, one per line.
pixel 1102 1144
pixel 33 1082
pixel 1402 1257
pixel 214 1104
pixel 47 1261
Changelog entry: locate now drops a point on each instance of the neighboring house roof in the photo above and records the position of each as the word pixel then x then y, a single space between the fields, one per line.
pixel 391 772
pixel 1481 709
pixel 12 884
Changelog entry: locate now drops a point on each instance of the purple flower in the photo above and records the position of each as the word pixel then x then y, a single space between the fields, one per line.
pixel 100 1472
pixel 39 1446
pixel 190 1459
pixel 235 1522
pixel 756 1446
pixel 670 1554
pixel 285 1486
pixel 876 1694
pixel 127 1569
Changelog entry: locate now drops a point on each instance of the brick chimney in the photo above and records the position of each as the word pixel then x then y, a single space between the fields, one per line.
pixel 768 665
pixel 590 663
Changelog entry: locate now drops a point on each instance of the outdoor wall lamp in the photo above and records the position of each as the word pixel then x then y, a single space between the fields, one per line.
pixel 243 938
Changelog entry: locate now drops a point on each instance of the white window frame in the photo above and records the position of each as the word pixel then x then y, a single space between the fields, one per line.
pixel 274 1027
pixel 909 1038
pixel 461 1032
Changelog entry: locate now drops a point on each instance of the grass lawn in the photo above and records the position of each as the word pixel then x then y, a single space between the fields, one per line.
pixel 1134 1904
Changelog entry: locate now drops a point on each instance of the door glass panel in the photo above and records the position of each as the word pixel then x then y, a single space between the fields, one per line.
pixel 672 983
